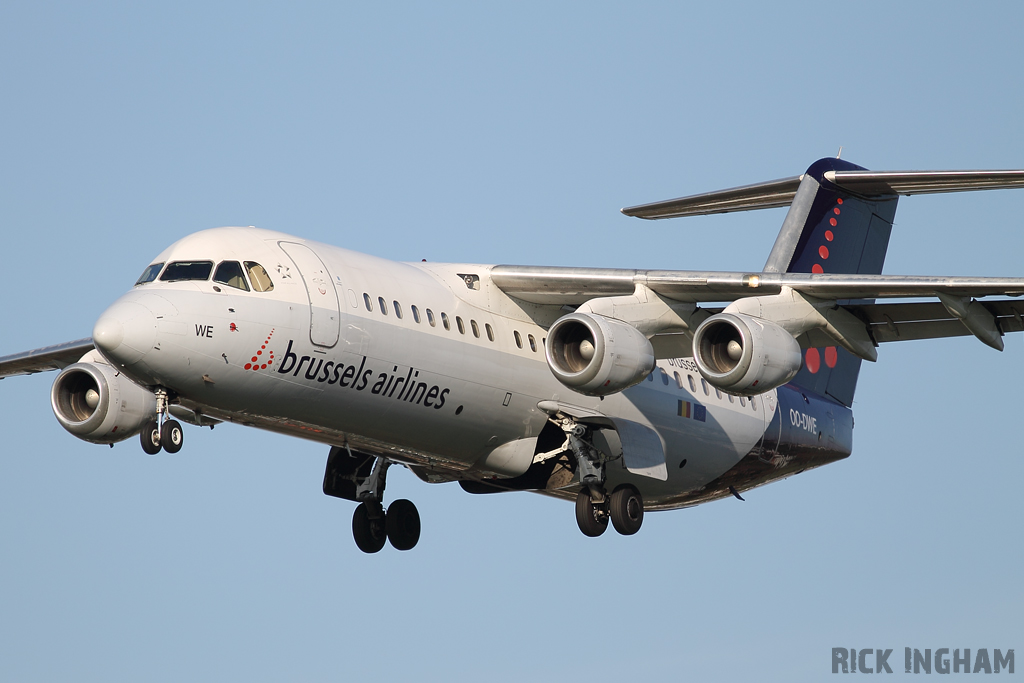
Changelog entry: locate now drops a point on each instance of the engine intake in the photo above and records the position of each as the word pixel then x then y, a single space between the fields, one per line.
pixel 597 356
pixel 742 354
pixel 97 404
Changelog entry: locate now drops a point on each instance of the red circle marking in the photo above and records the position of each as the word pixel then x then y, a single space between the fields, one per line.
pixel 259 353
pixel 839 201
pixel 264 346
pixel 255 367
pixel 836 211
pixel 829 236
pixel 248 365
pixel 263 367
pixel 823 251
pixel 831 356
pixel 270 362
pixel 813 360
pixel 816 268
pixel 254 359
pixel 833 222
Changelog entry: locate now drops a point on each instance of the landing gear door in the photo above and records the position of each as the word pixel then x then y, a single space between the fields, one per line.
pixel 642 451
pixel 324 311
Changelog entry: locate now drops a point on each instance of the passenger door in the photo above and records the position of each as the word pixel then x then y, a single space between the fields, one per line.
pixel 324 312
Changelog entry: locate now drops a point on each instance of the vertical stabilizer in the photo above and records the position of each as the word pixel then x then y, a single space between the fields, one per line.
pixel 832 230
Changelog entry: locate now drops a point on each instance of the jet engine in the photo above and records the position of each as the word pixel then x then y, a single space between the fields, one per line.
pixel 597 356
pixel 745 355
pixel 98 404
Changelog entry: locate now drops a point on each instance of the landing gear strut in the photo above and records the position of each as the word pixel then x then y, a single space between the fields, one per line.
pixel 372 526
pixel 625 506
pixel 161 433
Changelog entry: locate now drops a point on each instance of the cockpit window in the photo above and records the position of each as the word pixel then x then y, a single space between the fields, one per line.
pixel 258 276
pixel 149 274
pixel 230 273
pixel 187 270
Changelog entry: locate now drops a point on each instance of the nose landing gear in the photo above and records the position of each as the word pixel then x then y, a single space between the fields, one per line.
pixel 161 433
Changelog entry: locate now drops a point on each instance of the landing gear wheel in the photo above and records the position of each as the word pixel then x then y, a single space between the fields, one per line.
pixel 590 517
pixel 626 509
pixel 171 437
pixel 403 524
pixel 150 437
pixel 369 534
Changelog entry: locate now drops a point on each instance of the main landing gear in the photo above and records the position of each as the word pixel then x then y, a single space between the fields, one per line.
pixel 161 433
pixel 362 478
pixel 594 507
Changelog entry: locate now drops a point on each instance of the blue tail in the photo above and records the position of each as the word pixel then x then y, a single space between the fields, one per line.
pixel 831 230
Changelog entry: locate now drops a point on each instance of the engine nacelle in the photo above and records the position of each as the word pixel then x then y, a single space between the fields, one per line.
pixel 597 356
pixel 741 354
pixel 96 403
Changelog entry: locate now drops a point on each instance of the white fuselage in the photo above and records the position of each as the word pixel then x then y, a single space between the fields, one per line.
pixel 429 364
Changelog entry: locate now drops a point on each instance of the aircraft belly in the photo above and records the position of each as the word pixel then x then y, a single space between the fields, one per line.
pixel 697 451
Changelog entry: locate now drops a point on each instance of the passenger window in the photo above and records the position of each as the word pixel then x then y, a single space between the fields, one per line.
pixel 230 273
pixel 398 309
pixel 718 393
pixel 519 340
pixel 753 405
pixel 650 377
pixel 704 386
pixel 187 270
pixel 444 321
pixel 383 305
pixel 664 377
pixel 693 387
pixel 679 380
pixel 462 328
pixel 731 399
pixel 476 329
pixel 490 332
pixel 533 343
pixel 430 318
pixel 415 313
pixel 261 282
pixel 149 274
pixel 743 402
pixel 367 301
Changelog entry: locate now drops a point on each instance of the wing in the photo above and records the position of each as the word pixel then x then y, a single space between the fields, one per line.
pixel 955 314
pixel 573 286
pixel 47 358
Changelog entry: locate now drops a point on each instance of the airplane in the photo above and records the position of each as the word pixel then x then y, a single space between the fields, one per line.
pixel 624 391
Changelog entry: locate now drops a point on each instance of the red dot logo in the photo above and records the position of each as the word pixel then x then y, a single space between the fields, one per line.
pixel 813 360
pixel 816 268
pixel 831 356
pixel 829 236
pixel 255 363
pixel 823 251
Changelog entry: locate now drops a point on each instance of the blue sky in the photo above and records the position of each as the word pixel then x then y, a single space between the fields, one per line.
pixel 463 132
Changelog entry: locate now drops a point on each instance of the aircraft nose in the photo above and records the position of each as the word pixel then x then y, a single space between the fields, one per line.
pixel 125 332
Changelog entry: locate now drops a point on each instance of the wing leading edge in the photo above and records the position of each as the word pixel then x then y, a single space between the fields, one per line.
pixel 574 286
pixel 48 358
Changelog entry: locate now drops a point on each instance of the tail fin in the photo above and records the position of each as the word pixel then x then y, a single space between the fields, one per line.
pixel 831 230
pixel 839 221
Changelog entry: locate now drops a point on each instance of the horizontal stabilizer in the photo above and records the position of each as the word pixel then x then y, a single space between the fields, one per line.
pixel 770 195
pixel 779 193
